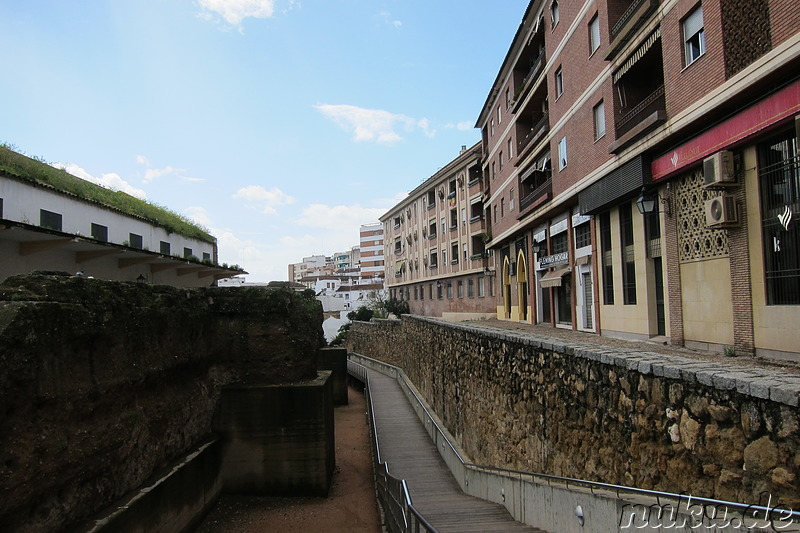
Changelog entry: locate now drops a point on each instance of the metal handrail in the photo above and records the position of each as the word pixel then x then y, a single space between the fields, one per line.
pixel 618 490
pixel 393 495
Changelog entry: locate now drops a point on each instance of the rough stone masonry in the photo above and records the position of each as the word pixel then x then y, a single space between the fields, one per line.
pixel 640 419
pixel 102 383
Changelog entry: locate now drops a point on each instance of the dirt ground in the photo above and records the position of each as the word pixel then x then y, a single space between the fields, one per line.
pixel 350 506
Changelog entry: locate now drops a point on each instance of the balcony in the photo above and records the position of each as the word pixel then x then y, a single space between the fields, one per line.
pixel 536 190
pixel 536 132
pixel 650 112
pixel 636 14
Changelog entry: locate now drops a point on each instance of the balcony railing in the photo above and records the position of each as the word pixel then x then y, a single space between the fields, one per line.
pixel 652 103
pixel 537 65
pixel 542 191
pixel 538 129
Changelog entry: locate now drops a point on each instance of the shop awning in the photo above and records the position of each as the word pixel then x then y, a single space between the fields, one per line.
pixel 553 279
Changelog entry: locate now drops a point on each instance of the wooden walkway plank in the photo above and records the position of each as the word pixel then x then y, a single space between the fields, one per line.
pixel 410 454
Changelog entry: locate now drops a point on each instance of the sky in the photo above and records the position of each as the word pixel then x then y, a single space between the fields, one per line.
pixel 280 126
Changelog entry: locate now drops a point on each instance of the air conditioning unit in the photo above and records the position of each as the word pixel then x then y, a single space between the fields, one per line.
pixel 718 169
pixel 722 211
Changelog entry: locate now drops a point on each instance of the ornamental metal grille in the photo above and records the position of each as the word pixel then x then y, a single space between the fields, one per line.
pixel 779 180
pixel 695 240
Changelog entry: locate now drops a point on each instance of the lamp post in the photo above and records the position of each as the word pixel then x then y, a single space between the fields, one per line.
pixel 646 203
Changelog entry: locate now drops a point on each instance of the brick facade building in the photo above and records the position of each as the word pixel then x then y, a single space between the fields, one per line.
pixel 436 259
pixel 685 106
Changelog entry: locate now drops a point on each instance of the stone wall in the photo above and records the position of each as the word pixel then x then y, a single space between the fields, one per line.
pixel 647 420
pixel 103 383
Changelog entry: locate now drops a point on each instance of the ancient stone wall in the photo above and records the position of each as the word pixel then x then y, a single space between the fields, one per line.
pixel 103 383
pixel 648 420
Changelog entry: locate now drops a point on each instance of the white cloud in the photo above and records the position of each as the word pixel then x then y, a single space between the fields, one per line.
pixel 142 160
pixel 266 199
pixel 235 11
pixel 372 124
pixel 152 173
pixel 339 217
pixel 109 180
pixel 387 17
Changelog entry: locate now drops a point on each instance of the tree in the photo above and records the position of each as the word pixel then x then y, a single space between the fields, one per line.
pixel 363 313
pixel 397 307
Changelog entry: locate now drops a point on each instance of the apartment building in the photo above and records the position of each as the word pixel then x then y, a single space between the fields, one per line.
pixel 642 171
pixel 435 241
pixel 371 256
pixel 53 221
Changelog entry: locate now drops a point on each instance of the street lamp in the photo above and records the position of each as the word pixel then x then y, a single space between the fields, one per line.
pixel 646 203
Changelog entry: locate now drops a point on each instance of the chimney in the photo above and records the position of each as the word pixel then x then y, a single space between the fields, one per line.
pixel 463 149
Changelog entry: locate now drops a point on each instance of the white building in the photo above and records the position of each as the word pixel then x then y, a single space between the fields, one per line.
pixel 50 220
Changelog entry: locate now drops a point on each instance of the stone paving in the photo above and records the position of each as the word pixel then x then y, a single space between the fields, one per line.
pixel 762 378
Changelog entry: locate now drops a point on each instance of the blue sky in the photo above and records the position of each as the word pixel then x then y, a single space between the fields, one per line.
pixel 279 125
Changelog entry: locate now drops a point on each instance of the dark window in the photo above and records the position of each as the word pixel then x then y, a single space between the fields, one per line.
pixel 1 208
pixel 583 235
pixel 450 290
pixel 460 289
pixel 454 253
pixel 558 243
pixel 165 248
pixel 50 220
pixel 187 252
pixel 434 260
pixel 605 253
pixel 779 180
pixel 628 264
pixel 135 241
pixel 439 290
pixel 416 292
pixel 470 288
pixel 100 232
pixel 206 256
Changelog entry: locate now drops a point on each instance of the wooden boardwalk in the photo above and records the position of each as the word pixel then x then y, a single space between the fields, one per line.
pixel 411 455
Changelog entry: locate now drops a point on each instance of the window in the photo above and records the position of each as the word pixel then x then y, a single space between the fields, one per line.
pixel 511 200
pixel 135 241
pixel 494 170
pixel 562 153
pixel 449 290
pixel 599 113
pixel 470 288
pixel 502 207
pixel 439 289
pixel 499 114
pixel 430 291
pixel 49 220
pixel 559 244
pixel 453 219
pixel 444 256
pixel 606 262
pixel 495 213
pixel 460 289
pixel 508 98
pixel 463 216
pixel 416 292
pixel 398 245
pixel 444 226
pixel 481 287
pixel 396 222
pixel 510 152
pixel 628 264
pixel 421 292
pixel 583 235
pixel 501 160
pixel 187 252
pixel 491 128
pixel 434 259
pixel 465 251
pixel 594 34
pixel 432 229
pixel 554 17
pixel 431 199
pixel 99 232
pixel 779 183
pixel 1 208
pixel 694 37
pixel 559 82
pixel 206 256
pixel 454 253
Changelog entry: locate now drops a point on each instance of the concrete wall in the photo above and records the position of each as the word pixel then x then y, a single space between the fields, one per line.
pixel 647 420
pixel 102 384
pixel 278 439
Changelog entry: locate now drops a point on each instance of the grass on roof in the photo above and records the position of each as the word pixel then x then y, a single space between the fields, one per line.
pixel 37 171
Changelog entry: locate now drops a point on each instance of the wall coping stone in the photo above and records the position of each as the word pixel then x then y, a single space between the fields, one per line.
pixel 759 383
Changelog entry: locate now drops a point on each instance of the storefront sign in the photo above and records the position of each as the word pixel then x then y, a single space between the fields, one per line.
pixel 773 109
pixel 553 260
